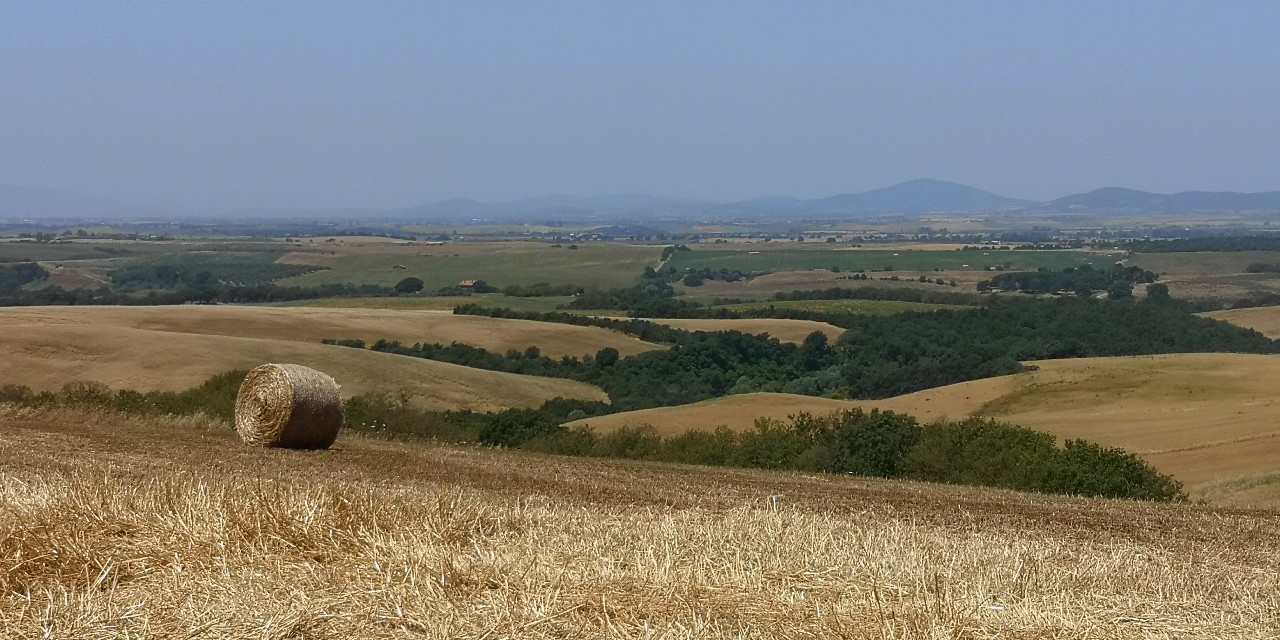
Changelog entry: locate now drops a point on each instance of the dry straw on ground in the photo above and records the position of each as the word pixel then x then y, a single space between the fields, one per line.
pixel 289 406
pixel 122 527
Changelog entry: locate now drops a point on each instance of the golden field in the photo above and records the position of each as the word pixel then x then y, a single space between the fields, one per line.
pixel 46 348
pixel 116 527
pixel 1207 419
pixel 311 325
pixel 1264 320
pixel 785 330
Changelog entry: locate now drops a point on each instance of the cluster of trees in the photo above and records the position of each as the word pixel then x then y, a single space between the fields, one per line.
pixel 699 365
pixel 15 276
pixel 889 355
pixel 652 297
pixel 696 278
pixel 879 356
pixel 885 293
pixel 642 329
pixel 974 451
pixel 204 275
pixel 670 250
pixel 211 294
pixel 1117 280
pixel 1263 267
pixel 1215 243
pixel 541 289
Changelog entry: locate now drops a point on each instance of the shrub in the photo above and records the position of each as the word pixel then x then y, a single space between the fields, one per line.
pixel 980 451
pixel 86 393
pixel 1087 469
pixel 409 285
pixel 858 442
pixel 385 416
pixel 632 443
pixel 17 394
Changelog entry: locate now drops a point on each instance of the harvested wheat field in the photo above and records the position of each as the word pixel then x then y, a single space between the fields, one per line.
pixel 121 527
pixel 1264 320
pixel 46 355
pixel 300 324
pixel 784 330
pixel 1207 419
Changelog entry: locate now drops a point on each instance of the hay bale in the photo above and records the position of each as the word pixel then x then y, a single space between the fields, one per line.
pixel 290 406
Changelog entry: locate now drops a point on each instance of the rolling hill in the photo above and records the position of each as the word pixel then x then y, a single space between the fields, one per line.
pixel 1265 320
pixel 916 196
pixel 311 325
pixel 161 349
pixel 1207 419
pixel 784 330
pixel 1133 200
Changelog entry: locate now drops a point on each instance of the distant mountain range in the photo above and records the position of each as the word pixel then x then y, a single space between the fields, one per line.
pixel 1131 200
pixel 910 198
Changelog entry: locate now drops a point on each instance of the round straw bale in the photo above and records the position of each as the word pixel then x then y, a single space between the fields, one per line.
pixel 290 406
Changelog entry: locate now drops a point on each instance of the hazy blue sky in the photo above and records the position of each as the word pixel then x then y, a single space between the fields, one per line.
pixel 210 106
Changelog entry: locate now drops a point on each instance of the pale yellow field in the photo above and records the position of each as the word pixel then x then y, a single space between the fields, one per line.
pixel 784 330
pixel 121 527
pixel 45 351
pixel 1265 320
pixel 1207 419
pixel 305 324
pixel 736 412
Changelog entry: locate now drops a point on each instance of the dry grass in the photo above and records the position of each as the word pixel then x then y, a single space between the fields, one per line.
pixel 113 527
pixel 1182 265
pixel 1265 320
pixel 1207 419
pixel 312 325
pixel 46 355
pixel 736 412
pixel 784 330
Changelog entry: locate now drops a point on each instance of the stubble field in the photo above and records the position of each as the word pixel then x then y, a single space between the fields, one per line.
pixel 119 527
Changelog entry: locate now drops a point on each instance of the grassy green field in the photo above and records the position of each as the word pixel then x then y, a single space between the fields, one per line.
pixel 499 264
pixel 866 307
pixel 878 259
pixel 1202 263
pixel 81 250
